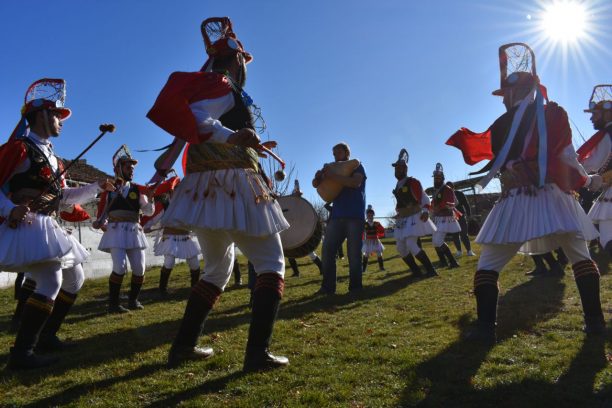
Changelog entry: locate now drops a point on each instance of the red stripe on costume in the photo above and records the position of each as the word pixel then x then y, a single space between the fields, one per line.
pixel 208 292
pixel 585 150
pixel 171 110
pixel 272 281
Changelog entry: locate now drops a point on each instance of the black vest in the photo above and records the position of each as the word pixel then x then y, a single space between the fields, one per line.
pixel 129 203
pixel 404 196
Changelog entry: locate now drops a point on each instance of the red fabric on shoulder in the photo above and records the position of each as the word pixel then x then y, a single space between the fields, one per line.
pixel 171 110
pixel 416 189
pixel 475 147
pixel 78 214
pixel 585 150
pixel 380 230
pixel 12 154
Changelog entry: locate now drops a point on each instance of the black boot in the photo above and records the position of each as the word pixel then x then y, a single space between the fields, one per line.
pixel 381 263
pixel 317 261
pixel 28 287
pixel 540 267
pixel 486 292
pixel 609 249
pixel 442 258
pixel 135 286
pixel 364 263
pixel 48 337
pixel 561 257
pixel 555 267
pixel 195 277
pixel 18 282
pixel 164 276
pixel 237 274
pixel 424 259
pixel 114 287
pixel 35 313
pixel 449 255
pixel 414 268
pixel 294 267
pixel 266 299
pixel 202 299
pixel 586 275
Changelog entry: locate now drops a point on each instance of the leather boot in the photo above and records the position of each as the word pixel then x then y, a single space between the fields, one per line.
pixel 202 299
pixel 17 285
pixel 268 291
pixel 35 313
pixel 237 273
pixel 424 259
pixel 540 266
pixel 441 256
pixel 27 288
pixel 114 287
pixel 586 275
pixel 555 267
pixel 414 268
pixel 164 276
pixel 48 336
pixel 135 286
pixel 195 277
pixel 609 249
pixel 364 263
pixel 486 292
pixel 317 261
pixel 294 267
pixel 381 263
pixel 449 255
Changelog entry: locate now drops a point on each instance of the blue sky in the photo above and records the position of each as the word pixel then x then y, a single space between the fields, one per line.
pixel 379 75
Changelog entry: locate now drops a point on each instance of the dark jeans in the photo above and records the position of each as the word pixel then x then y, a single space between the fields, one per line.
pixel 339 229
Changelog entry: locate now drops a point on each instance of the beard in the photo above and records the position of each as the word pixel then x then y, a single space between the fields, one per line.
pixel 438 184
pixel 600 124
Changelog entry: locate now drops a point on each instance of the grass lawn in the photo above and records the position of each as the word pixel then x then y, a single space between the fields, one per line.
pixel 398 343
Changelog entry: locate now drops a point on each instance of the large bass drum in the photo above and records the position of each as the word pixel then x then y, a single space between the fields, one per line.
pixel 305 230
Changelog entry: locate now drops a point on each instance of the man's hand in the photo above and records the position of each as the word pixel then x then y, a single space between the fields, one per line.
pixel 18 215
pixel 318 178
pixel 244 137
pixel 424 216
pixel 106 185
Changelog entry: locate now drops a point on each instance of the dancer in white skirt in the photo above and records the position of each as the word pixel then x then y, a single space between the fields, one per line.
pixel 172 243
pixel 31 191
pixel 118 216
pixel 532 148
pixel 412 217
pixel 373 231
pixel 596 157
pixel 444 216
pixel 225 197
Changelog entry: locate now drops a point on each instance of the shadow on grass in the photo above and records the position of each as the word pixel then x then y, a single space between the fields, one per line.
pixel 447 378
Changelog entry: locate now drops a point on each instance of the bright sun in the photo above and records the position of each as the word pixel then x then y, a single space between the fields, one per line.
pixel 565 21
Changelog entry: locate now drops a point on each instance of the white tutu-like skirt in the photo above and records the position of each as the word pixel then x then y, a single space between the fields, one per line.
pixel 601 210
pixel 125 235
pixel 447 224
pixel 179 246
pixel 372 246
pixel 413 227
pixel 230 199
pixel 536 220
pixel 38 239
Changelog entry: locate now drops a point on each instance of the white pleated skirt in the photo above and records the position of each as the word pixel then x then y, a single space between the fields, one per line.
pixel 38 239
pixel 229 199
pixel 447 224
pixel 413 227
pixel 179 246
pixel 125 235
pixel 601 210
pixel 372 246
pixel 536 220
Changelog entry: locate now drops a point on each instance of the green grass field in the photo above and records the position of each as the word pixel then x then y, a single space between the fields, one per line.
pixel 398 343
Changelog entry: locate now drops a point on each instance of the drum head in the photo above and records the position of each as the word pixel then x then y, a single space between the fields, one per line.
pixel 302 219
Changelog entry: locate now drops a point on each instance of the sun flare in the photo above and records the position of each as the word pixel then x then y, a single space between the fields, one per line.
pixel 565 21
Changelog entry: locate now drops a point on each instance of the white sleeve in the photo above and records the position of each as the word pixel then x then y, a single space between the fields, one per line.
pixel 6 205
pixel 80 195
pixel 146 207
pixel 599 155
pixel 570 157
pixel 208 111
pixel 154 221
pixel 425 201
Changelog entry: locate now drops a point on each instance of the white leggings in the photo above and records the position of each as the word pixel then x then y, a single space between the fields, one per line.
pixel 48 282
pixel 408 245
pixel 136 257
pixel 605 232
pixel 437 238
pixel 170 261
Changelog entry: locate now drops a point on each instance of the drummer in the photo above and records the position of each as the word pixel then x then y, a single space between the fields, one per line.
pixel 345 222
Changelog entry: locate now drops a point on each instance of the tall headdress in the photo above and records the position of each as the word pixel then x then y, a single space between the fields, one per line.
pixel 122 154
pixel 370 209
pixel 439 170
pixel 517 69
pixel 402 159
pixel 46 93
pixel 221 41
pixel 601 99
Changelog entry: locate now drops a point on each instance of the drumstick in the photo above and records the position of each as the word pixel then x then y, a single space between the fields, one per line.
pixel 274 156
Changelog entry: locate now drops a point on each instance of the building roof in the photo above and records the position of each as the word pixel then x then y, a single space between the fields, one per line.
pixel 84 173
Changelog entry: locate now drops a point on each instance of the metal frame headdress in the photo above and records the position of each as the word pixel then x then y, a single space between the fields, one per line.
pixel 439 171
pixel 601 98
pixel 123 154
pixel 220 40
pixel 402 159
pixel 517 67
